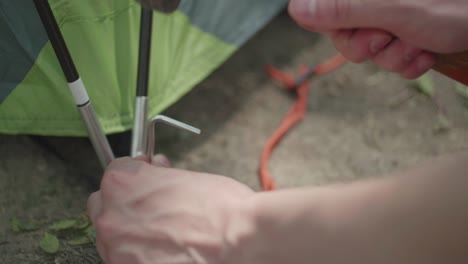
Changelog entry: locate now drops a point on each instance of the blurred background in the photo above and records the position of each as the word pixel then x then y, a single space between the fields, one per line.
pixel 361 122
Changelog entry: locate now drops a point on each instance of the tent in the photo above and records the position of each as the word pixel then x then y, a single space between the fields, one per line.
pixel 102 37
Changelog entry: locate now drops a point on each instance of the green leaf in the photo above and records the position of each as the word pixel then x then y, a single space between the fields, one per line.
pixel 425 85
pixel 82 223
pixel 63 225
pixel 17 226
pixel 80 241
pixel 90 231
pixel 461 90
pixel 442 123
pixel 49 243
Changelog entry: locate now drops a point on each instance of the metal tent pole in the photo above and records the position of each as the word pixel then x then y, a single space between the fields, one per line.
pixel 77 88
pixel 140 126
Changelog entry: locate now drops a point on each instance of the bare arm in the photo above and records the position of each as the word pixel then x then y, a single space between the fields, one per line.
pixel 416 216
pixel 149 214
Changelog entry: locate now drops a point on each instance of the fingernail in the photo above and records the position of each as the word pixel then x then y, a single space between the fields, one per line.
pixel 302 9
pixel 379 42
pixel 161 160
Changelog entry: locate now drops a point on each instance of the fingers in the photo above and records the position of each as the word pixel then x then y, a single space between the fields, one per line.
pixel 94 206
pixel 126 164
pixel 342 17
pixel 127 176
pixel 158 160
pixel 161 161
pixel 320 15
pixel 101 248
pixel 387 52
pixel 361 45
pixel 122 178
pixel 397 56
pixel 406 60
pixel 423 63
pixel 94 212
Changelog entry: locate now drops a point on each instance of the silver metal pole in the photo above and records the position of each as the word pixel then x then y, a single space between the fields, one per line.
pixel 77 88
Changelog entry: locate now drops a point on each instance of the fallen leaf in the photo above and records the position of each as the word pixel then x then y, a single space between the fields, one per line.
pixel 80 241
pixel 442 123
pixel 63 225
pixel 82 223
pixel 462 91
pixel 90 231
pixel 49 243
pixel 17 226
pixel 425 85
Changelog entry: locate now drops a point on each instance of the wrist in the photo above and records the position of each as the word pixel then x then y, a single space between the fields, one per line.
pixel 276 230
pixel 242 233
pixel 287 226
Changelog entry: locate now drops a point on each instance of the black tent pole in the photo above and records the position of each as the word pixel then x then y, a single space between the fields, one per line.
pixel 77 88
pixel 140 126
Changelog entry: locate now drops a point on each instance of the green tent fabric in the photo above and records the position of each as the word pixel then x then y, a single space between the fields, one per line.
pixel 103 40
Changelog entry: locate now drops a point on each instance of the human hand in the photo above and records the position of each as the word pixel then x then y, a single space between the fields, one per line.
pixel 148 213
pixel 398 36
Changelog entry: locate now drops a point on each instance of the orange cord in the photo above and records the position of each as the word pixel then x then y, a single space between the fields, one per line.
pixel 297 111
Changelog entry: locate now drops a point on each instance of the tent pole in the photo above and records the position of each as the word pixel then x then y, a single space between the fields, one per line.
pixel 77 88
pixel 140 126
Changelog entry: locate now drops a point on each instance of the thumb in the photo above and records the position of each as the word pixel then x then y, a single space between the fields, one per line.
pixel 161 161
pixel 326 15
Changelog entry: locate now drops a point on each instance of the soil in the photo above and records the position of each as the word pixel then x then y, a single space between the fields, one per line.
pixel 361 123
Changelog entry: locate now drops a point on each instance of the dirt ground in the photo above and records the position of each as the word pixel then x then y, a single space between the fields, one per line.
pixel 361 123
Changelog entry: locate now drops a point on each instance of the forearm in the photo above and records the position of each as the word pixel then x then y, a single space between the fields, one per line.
pixel 417 216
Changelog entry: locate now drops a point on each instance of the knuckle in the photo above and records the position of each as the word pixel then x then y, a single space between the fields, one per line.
pixel 113 179
pixel 351 49
pixel 92 206
pixel 90 202
pixel 105 227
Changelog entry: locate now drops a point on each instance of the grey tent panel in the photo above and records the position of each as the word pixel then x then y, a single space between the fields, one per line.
pixel 236 20
pixel 22 36
pixel 22 39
